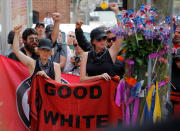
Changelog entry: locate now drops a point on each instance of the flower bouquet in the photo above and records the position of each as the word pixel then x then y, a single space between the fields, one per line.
pixel 143 90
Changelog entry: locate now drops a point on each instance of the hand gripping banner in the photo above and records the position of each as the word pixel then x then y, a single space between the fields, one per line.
pixel 78 107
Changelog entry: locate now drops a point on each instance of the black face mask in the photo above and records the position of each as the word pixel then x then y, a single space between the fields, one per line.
pixel 97 56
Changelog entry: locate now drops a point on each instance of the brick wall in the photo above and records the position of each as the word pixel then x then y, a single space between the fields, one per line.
pixel 19 12
pixel 61 6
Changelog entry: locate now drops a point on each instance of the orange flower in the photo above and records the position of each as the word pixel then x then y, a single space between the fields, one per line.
pixel 167 79
pixel 120 58
pixel 131 81
pixel 116 77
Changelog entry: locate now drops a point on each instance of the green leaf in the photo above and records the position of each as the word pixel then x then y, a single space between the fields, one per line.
pixel 139 61
pixel 140 37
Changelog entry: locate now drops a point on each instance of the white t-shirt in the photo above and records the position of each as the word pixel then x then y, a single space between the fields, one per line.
pixel 69 66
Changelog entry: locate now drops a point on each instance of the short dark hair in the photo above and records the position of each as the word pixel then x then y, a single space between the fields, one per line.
pixel 38 24
pixel 10 37
pixel 27 32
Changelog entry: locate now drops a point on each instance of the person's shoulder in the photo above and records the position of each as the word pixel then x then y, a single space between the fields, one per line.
pixel 62 43
pixel 10 54
pixel 13 56
pixel 23 50
pixel 84 54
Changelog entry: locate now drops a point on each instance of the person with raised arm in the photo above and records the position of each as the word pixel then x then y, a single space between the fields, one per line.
pixel 43 65
pixel 99 62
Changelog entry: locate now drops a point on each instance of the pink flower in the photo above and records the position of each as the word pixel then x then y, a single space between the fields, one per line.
pixel 174 50
pixel 161 59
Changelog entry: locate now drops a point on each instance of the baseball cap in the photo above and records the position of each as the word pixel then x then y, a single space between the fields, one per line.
pixel 40 24
pixel 49 28
pixel 97 33
pixel 45 44
pixel 177 54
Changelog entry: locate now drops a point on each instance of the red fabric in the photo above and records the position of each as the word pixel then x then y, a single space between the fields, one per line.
pixel 12 75
pixel 83 111
pixel 70 78
pixel 176 46
pixel 175 97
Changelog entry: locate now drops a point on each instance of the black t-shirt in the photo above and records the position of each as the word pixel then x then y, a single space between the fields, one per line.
pixel 13 56
pixel 99 63
pixel 48 68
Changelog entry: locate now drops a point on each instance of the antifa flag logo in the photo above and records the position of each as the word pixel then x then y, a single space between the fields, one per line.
pixel 22 100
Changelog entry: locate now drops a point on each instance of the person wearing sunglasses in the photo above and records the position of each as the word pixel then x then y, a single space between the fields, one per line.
pixel 30 40
pixel 76 59
pixel 111 38
pixel 43 65
pixel 99 62
pixel 73 59
pixel 70 39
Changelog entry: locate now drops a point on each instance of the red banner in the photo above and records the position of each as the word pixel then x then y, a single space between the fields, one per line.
pixel 77 107
pixel 13 95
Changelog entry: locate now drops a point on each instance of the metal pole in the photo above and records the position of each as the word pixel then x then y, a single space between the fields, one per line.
pixel 29 13
pixel 87 17
pixel 6 23
pixel 171 45
pixel 134 5
pixel 148 1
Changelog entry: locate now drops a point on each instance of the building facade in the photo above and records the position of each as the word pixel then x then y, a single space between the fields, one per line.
pixel 41 7
pixel 12 12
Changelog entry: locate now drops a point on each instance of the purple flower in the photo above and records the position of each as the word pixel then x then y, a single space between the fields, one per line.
pixel 130 61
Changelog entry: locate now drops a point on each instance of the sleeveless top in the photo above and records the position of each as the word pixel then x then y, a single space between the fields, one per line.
pixel 48 68
pixel 99 63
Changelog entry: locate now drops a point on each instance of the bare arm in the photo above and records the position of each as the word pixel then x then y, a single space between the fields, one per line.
pixel 57 71
pixel 114 7
pixel 26 60
pixel 83 76
pixel 114 49
pixel 55 32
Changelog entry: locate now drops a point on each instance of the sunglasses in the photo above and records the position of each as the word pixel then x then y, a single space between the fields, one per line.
pixel 34 39
pixel 113 39
pixel 72 36
pixel 102 38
